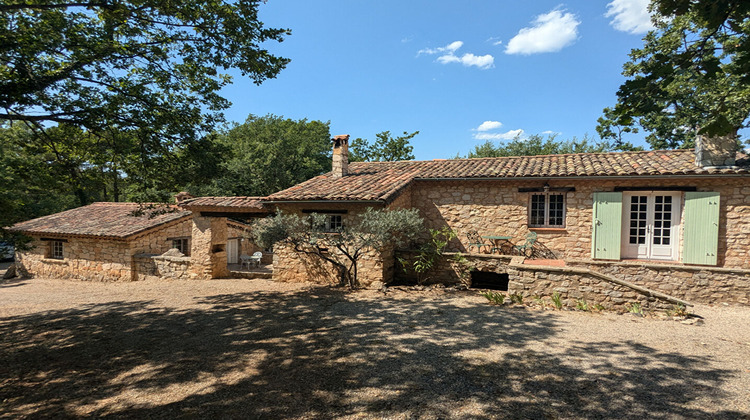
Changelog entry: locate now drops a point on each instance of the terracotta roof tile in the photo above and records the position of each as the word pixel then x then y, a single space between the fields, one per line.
pixel 239 204
pixel 111 220
pixel 381 181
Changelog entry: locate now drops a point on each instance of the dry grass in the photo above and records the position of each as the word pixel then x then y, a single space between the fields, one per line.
pixel 248 349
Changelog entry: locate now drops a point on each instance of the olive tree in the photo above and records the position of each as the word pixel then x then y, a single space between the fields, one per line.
pixel 378 230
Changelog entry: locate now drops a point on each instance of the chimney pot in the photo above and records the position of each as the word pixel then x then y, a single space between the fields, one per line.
pixel 340 165
pixel 182 196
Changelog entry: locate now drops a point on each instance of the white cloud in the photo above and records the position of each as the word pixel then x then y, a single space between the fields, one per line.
pixel 450 48
pixel 550 32
pixel 495 40
pixel 508 135
pixel 489 125
pixel 630 16
pixel 449 56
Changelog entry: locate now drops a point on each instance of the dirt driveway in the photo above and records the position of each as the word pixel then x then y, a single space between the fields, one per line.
pixel 258 349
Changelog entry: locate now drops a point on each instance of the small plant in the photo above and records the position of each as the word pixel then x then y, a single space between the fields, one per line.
pixel 538 300
pixel 582 305
pixel 598 307
pixel 516 298
pixel 557 300
pixel 495 298
pixel 462 267
pixel 430 252
pixel 678 310
pixel 634 308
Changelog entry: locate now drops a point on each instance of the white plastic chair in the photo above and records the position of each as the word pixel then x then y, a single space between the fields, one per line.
pixel 255 258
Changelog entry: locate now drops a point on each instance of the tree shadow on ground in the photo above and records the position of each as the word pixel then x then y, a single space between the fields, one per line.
pixel 322 353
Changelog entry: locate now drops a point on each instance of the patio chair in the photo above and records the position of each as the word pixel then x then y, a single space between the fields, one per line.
pixel 476 241
pixel 255 258
pixel 527 248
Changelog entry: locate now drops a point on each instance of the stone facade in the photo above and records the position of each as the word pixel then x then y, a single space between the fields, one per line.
pixel 289 266
pixel 209 247
pixel 99 259
pixel 496 207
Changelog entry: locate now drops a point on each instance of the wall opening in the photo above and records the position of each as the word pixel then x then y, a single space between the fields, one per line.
pixel 489 280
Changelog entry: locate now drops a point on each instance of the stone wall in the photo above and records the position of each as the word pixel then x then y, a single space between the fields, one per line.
pixel 83 259
pixel 295 267
pixel 697 285
pixel 157 267
pixel 496 207
pixel 159 240
pixel 208 250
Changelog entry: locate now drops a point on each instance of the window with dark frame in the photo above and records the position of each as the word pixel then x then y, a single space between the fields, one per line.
pixel 333 223
pixel 547 210
pixel 56 250
pixel 182 245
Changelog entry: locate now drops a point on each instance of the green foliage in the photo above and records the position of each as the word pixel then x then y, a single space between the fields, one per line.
pixel 379 230
pixel 516 298
pixel 582 305
pixel 271 153
pixel 538 300
pixel 462 267
pixel 384 149
pixel 678 310
pixel 124 85
pixel 537 145
pixel 691 75
pixel 598 307
pixel 612 127
pixel 431 251
pixel 495 298
pixel 557 300
pixel 634 308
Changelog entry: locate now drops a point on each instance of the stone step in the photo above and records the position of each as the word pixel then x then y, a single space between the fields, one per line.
pixel 251 275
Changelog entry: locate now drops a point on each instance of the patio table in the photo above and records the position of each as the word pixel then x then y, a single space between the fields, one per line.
pixel 499 241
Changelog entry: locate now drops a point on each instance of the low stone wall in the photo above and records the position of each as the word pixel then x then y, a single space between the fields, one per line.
pixel 156 267
pixel 612 285
pixel 573 287
pixel 707 285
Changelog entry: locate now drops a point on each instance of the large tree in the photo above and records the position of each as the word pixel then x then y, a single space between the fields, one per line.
pixel 692 74
pixel 385 148
pixel 271 153
pixel 144 74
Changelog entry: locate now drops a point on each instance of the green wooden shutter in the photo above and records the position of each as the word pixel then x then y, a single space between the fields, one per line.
pixel 605 243
pixel 700 239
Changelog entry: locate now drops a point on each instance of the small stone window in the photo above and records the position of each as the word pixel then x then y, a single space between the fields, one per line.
pixel 56 250
pixel 182 245
pixel 333 222
pixel 547 210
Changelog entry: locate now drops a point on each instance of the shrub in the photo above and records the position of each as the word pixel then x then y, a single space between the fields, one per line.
pixel 495 298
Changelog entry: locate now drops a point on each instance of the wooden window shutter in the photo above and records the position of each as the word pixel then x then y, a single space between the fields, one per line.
pixel 605 243
pixel 700 239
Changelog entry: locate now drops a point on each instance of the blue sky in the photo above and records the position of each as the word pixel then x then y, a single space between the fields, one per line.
pixel 459 72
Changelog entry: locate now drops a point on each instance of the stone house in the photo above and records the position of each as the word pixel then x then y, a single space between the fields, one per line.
pixel 672 221
pixel 111 242
pixel 98 242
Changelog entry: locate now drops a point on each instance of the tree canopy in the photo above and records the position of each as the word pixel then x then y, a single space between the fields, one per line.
pixel 692 74
pixel 268 154
pixel 537 144
pixel 127 87
pixel 385 148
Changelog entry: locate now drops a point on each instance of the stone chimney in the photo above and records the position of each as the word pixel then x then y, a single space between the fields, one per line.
pixel 340 155
pixel 182 196
pixel 716 152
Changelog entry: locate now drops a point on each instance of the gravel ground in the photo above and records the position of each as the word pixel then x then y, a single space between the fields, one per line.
pixel 259 349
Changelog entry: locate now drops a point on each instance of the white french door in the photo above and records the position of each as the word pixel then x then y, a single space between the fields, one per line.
pixel 232 251
pixel 651 221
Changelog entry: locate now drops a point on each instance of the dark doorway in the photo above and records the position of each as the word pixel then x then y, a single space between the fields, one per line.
pixel 489 280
